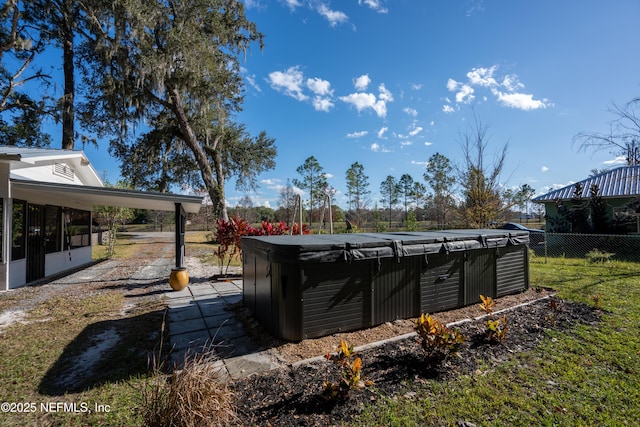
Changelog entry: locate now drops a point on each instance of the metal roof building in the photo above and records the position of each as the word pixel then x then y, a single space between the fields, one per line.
pixel 622 182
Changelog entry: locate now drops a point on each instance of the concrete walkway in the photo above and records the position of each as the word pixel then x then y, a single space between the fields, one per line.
pixel 199 318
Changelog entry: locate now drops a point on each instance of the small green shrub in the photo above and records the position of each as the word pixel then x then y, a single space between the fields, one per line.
pixel 436 339
pixel 351 372
pixel 487 304
pixel 496 329
pixel 596 255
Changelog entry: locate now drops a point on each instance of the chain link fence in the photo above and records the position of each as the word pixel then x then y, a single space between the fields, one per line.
pixel 594 247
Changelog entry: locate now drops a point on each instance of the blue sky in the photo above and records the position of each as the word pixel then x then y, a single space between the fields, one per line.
pixel 390 83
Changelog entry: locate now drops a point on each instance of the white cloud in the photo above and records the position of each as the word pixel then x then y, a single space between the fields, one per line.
pixel 411 111
pixel 322 104
pixel 375 5
pixel 384 93
pixel 362 101
pixel 415 131
pixel 292 4
pixel 288 81
pixel 320 86
pixel 252 82
pixel 415 162
pixel 379 148
pixel 382 131
pixel 334 17
pixel 482 76
pixel 270 182
pixel 432 123
pixel 620 160
pixel 405 143
pixel 361 83
pixel 416 86
pixel 291 82
pixel 465 94
pixel 511 83
pixel 506 90
pixel 544 169
pixel 359 134
pixel 521 101
pixel 448 109
pixel 329 175
pixel 427 143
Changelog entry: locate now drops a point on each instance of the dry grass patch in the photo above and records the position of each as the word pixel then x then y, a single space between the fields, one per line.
pixel 195 395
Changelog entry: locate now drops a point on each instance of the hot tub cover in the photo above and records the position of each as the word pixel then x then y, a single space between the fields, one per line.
pixel 361 246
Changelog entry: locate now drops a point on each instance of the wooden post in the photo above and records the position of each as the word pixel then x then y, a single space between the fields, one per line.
pixel 180 230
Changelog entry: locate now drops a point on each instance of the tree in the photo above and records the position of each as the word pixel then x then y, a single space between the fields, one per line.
pixel 539 211
pixel 440 176
pixel 113 218
pixel 405 188
pixel 245 208
pixel 287 202
pixel 523 197
pixel 623 138
pixel 175 64
pixel 480 183
pixel 598 207
pixel 389 190
pixel 418 194
pixel 20 44
pixel 357 190
pixel 579 211
pixel 59 22
pixel 313 181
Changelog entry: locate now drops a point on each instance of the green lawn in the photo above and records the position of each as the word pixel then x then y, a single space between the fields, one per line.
pixel 589 376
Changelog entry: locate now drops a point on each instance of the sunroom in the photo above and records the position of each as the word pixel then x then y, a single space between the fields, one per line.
pixel 47 199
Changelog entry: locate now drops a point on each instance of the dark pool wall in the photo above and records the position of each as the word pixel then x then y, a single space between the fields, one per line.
pixel 310 286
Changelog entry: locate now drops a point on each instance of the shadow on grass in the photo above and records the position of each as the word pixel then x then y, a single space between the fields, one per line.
pixel 105 351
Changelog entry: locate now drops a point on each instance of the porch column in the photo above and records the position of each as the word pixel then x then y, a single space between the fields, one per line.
pixel 180 229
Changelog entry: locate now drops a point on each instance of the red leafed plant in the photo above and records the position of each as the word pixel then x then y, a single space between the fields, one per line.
pixel 229 240
pixel 230 233
pixel 296 229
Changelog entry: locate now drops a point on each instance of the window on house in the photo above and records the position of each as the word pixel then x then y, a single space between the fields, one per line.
pixel 18 234
pixel 52 231
pixel 77 228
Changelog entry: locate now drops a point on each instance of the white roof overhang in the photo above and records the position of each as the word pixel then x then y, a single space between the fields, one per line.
pixel 103 196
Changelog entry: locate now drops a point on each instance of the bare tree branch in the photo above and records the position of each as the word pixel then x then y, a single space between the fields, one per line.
pixel 623 138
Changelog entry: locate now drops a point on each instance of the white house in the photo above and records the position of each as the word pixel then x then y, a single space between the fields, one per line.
pixel 47 197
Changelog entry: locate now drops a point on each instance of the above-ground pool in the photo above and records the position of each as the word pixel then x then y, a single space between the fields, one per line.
pixel 311 286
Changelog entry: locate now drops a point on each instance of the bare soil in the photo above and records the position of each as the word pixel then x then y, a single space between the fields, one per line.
pixel 294 395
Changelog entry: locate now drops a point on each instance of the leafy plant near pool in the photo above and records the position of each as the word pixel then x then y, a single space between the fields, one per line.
pixel 496 329
pixel 486 304
pixel 437 340
pixel 230 233
pixel 351 372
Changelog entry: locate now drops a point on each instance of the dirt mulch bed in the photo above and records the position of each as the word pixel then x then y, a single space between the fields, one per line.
pixel 294 395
